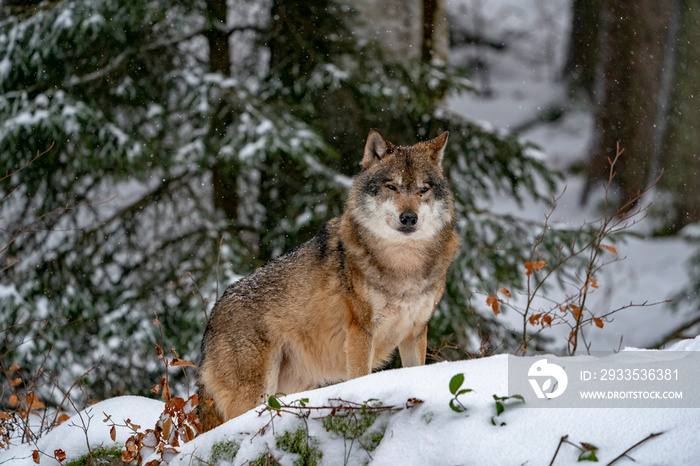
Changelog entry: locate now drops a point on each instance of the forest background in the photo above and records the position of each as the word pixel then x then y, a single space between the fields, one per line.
pixel 183 144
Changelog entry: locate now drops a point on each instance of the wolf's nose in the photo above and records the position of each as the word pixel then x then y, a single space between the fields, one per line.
pixel 408 218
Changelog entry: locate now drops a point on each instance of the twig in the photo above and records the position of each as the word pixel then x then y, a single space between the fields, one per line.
pixel 561 440
pixel 84 427
pixel 161 355
pixel 218 257
pixel 199 296
pixel 624 453
pixel 29 162
pixel 66 394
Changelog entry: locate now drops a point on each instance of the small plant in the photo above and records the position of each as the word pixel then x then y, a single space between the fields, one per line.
pixel 100 456
pixel 371 440
pixel 265 459
pixel 19 398
pixel 354 425
pixel 224 451
pixel 501 403
pixel 301 443
pixel 353 421
pixel 589 252
pixel 178 424
pixel 456 390
pixel 587 452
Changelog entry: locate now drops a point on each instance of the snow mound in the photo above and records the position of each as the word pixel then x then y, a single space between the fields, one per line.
pixel 427 433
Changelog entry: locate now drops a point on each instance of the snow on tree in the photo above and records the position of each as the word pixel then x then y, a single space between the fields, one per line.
pixel 206 143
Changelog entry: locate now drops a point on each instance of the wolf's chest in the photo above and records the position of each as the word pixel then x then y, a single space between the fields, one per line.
pixel 394 319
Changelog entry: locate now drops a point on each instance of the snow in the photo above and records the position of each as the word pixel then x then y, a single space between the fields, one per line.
pixel 427 433
pixel 519 86
pixel 251 148
pixel 522 84
pixel 64 20
pixel 9 291
pixel 94 20
pixel 5 67
pixel 70 435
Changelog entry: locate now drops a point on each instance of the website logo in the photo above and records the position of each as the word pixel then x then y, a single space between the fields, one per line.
pixel 552 376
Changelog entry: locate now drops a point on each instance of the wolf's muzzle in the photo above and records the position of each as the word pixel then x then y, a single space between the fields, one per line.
pixel 408 220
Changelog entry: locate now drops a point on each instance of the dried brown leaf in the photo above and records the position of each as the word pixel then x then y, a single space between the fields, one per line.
pixel 182 362
pixel 60 455
pixel 609 248
pixel 547 320
pixel 493 302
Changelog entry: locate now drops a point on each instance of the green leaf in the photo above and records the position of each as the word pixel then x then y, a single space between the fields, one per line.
pixel 274 403
pixel 499 408
pixel 463 391
pixel 456 382
pixel 588 455
pixel 456 408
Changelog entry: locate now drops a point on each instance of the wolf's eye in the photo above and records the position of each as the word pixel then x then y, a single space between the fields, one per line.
pixel 425 190
pixel 391 186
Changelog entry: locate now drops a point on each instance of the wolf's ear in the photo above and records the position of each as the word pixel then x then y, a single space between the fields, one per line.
pixel 438 147
pixel 375 149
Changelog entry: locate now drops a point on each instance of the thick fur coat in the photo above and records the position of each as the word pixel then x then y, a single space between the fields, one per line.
pixel 339 305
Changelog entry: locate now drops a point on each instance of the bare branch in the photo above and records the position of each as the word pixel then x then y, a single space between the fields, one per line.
pixel 624 453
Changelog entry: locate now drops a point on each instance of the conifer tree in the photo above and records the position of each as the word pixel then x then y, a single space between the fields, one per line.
pixel 198 169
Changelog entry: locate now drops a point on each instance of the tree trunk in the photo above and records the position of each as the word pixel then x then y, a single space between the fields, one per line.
pixel 582 55
pixel 223 180
pixel 681 154
pixel 633 45
pixel 435 45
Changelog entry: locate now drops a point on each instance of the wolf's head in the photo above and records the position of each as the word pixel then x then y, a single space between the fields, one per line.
pixel 401 194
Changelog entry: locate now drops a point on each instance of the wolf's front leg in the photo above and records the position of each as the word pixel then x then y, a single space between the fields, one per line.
pixel 413 348
pixel 359 351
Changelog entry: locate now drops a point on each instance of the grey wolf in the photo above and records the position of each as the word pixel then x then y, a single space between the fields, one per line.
pixel 339 305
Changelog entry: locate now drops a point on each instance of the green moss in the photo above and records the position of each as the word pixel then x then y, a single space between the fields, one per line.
pixel 370 441
pixel 302 444
pixel 351 424
pixel 224 451
pixel 358 425
pixel 260 460
pixel 101 456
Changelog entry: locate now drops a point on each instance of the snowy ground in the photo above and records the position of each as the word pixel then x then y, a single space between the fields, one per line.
pixel 429 432
pixel 522 83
